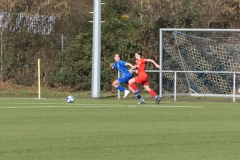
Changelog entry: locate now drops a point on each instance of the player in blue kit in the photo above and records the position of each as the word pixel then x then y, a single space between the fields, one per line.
pixel 121 66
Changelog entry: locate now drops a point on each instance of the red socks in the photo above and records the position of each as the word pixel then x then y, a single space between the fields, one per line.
pixel 134 87
pixel 152 93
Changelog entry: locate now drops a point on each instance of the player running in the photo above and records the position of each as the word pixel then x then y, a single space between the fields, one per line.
pixel 121 66
pixel 142 77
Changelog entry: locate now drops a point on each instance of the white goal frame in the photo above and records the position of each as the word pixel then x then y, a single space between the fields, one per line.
pixel 161 30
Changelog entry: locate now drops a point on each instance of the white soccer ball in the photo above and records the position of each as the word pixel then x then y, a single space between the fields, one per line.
pixel 70 99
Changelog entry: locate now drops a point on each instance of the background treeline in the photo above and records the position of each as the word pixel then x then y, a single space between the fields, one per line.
pixel 131 25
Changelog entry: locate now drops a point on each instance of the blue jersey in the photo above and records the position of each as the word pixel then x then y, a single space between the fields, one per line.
pixel 121 66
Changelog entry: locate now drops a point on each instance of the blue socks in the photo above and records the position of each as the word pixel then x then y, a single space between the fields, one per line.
pixel 121 88
pixel 139 97
pixel 136 91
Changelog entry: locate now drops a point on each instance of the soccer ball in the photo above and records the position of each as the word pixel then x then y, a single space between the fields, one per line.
pixel 70 99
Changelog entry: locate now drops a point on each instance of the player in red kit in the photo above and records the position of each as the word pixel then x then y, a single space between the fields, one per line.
pixel 142 77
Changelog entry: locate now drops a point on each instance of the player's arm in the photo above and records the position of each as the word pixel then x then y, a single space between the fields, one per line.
pixel 156 65
pixel 133 69
pixel 129 64
pixel 111 66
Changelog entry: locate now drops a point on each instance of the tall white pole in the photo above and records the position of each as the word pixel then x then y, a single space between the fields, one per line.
pixel 39 80
pixel 160 62
pixel 175 86
pixel 96 55
pixel 118 89
pixel 1 50
pixel 234 87
pixel 141 16
pixel 62 42
pixel 62 50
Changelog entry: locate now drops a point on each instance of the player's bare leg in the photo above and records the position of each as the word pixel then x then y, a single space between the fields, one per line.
pixel 135 90
pixel 130 88
pixel 116 85
pixel 152 93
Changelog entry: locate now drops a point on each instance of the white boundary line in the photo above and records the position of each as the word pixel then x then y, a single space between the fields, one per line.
pixel 55 104
pixel 96 106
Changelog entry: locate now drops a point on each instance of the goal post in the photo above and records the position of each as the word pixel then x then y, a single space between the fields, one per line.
pixel 199 62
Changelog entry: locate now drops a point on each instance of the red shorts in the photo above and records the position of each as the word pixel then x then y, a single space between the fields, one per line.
pixel 142 79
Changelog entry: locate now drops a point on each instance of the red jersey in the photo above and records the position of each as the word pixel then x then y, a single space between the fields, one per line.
pixel 141 63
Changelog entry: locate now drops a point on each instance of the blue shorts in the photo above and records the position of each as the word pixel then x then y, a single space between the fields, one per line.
pixel 125 79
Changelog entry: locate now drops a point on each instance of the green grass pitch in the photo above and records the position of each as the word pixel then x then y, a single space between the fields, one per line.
pixel 101 129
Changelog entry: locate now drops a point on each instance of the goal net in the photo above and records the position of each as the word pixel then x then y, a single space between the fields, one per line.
pixel 199 61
